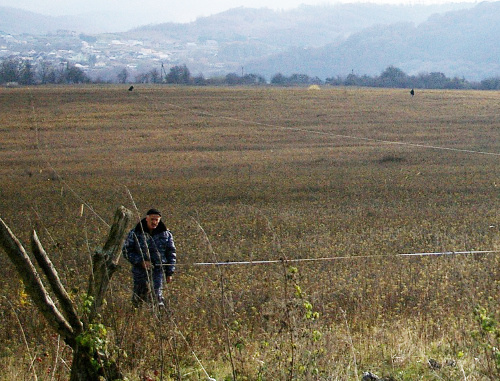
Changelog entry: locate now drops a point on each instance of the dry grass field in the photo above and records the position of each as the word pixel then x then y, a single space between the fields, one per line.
pixel 350 177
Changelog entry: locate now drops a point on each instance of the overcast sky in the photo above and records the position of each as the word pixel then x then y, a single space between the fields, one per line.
pixel 170 10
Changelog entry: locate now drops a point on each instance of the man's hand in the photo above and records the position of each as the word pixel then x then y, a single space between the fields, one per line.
pixel 146 265
pixel 168 279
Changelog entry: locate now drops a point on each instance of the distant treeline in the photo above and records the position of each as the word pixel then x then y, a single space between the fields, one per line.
pixel 23 72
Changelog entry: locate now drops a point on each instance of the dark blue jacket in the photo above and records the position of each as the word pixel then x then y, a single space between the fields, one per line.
pixel 157 247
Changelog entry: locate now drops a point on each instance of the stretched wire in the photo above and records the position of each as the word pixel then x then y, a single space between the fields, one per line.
pixel 332 134
pixel 324 259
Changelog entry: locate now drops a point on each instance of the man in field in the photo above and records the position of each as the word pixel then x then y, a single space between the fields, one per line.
pixel 150 249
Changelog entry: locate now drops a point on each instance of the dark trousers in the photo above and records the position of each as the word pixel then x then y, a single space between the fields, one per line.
pixel 143 279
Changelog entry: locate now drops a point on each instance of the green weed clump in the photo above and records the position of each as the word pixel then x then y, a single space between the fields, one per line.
pixel 254 175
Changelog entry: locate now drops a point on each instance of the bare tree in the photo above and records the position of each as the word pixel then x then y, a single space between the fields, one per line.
pixel 155 76
pixel 81 333
pixel 122 76
pixel 9 71
pixel 26 73
pixel 179 75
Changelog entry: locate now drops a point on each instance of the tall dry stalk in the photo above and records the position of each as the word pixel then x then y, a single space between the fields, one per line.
pixel 351 344
pixel 289 322
pixel 225 319
pixel 25 341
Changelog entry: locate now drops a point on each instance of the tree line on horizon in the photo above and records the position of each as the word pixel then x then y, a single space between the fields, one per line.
pixel 23 72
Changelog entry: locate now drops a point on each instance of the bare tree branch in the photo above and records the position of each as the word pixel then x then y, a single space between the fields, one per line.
pixel 50 272
pixel 33 283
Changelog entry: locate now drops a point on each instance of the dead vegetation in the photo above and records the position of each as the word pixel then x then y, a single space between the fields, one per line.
pixel 261 174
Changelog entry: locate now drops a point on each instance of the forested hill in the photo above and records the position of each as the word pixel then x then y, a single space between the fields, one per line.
pixel 301 26
pixel 16 21
pixel 324 41
pixel 458 40
pixel 461 43
pixel 305 26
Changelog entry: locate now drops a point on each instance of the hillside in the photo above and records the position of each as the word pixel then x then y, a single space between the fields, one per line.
pixel 16 21
pixel 460 43
pixel 305 26
pixel 320 41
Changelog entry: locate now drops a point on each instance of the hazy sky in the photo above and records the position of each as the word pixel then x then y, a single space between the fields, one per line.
pixel 170 10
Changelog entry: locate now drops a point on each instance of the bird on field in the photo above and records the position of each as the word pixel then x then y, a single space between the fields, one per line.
pixel 412 92
pixel 131 88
